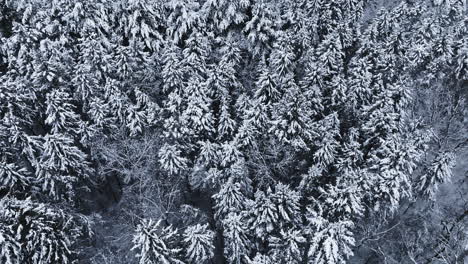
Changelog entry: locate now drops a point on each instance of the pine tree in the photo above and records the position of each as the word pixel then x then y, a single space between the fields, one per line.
pixel 264 215
pixel 225 14
pixel 291 117
pixel 343 202
pixel 140 22
pixel 172 71
pixel 171 159
pixel 439 172
pixel 61 167
pixel 198 115
pixel 237 244
pixel 14 179
pixel 287 248
pixel 287 203
pixel 261 27
pixel 331 242
pixel 267 91
pixel 330 55
pixel 200 243
pixel 183 16
pixel 360 79
pixel 327 145
pixel 156 243
pixel 10 251
pixel 260 259
pixel 227 124
pixel 60 113
pixel 229 199
pixel 42 234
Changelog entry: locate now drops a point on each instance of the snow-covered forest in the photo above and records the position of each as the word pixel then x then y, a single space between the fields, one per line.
pixel 233 131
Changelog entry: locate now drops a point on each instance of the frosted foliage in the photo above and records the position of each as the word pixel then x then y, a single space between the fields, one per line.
pixel 153 242
pixel 287 247
pixel 36 233
pixel 229 199
pixel 332 242
pixel 171 159
pixel 10 251
pixel 439 172
pixel 234 131
pixel 235 235
pixel 12 177
pixel 264 214
pixel 199 240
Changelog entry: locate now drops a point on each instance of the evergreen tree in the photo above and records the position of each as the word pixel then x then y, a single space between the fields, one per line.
pixel 261 259
pixel 291 127
pixel 14 179
pixel 332 242
pixel 225 14
pixel 229 199
pixel 171 159
pixel 237 244
pixel 264 215
pixel 183 16
pixel 200 243
pixel 156 243
pixel 61 167
pixel 439 171
pixel 10 252
pixel 287 248
pixel 42 234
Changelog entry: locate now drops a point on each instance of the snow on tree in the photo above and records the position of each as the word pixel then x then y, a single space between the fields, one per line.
pixel 155 243
pixel 227 124
pixel 100 114
pixel 327 145
pixel 183 16
pixel 310 179
pixel 209 153
pixel 171 159
pixel 198 115
pixel 172 71
pixel 258 110
pixel 221 82
pixel 287 248
pixel 140 22
pixel 260 259
pixel 331 242
pixel 342 201
pixel 42 234
pixel 196 53
pixel 237 244
pixel 14 179
pixel 287 203
pixel 260 27
pixel 10 251
pixel 136 120
pixel 61 166
pixel 229 199
pixel 264 215
pixel 292 117
pixel 352 154
pixel 330 54
pixel 439 172
pixel 199 241
pixel 224 14
pixel 267 91
pixel 359 80
pixel 60 113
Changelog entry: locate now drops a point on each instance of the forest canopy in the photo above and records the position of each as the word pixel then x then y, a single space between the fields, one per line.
pixel 233 131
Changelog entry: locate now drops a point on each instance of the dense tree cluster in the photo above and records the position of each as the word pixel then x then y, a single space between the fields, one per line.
pixel 232 131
